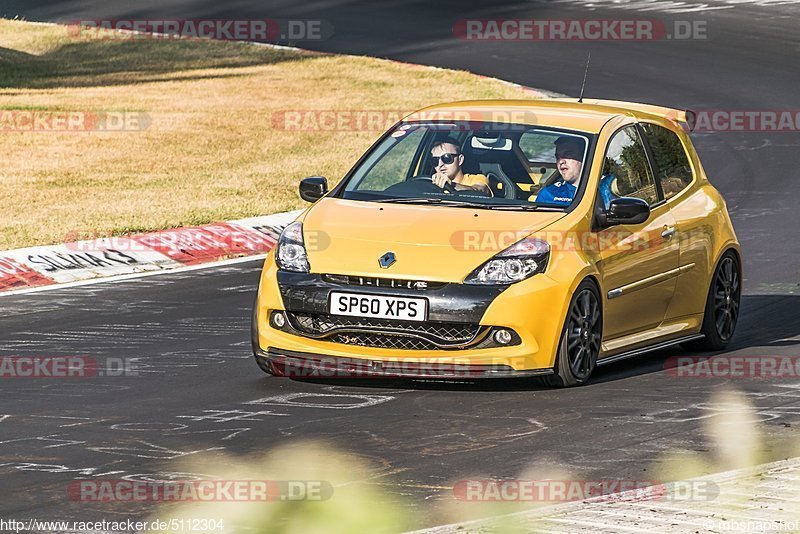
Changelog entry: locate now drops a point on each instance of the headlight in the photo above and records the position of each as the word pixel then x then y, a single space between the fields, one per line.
pixel 518 262
pixel 291 254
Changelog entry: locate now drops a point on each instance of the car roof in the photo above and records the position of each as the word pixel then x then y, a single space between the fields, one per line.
pixel 587 116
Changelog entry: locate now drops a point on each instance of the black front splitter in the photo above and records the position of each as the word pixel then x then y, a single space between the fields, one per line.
pixel 306 365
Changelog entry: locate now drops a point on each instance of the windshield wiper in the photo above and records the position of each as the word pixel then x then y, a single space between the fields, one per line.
pixel 468 204
pixel 435 200
pixel 406 199
pixel 527 207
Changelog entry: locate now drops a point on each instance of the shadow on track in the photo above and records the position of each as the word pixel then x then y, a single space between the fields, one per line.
pixel 765 321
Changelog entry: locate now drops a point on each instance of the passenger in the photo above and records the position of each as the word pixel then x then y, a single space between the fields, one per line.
pixel 569 162
pixel 447 160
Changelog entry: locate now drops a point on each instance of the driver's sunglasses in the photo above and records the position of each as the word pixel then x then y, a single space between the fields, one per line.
pixel 447 159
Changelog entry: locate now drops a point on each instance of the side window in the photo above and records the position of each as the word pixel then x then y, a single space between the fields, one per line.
pixel 671 162
pixel 626 172
pixel 394 166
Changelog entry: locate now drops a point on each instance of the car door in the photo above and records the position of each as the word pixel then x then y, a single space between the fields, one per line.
pixel 638 263
pixel 691 208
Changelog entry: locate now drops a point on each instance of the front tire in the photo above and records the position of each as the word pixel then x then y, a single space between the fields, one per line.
pixel 722 306
pixel 581 336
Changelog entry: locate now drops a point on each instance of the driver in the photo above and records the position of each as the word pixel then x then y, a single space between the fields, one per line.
pixel 569 162
pixel 447 160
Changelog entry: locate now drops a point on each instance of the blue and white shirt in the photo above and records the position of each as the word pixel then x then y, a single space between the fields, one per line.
pixel 559 193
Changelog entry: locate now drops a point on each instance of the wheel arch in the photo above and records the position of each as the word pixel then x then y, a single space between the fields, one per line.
pixel 592 277
pixel 737 252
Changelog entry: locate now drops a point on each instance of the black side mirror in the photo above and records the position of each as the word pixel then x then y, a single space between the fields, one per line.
pixel 626 210
pixel 313 188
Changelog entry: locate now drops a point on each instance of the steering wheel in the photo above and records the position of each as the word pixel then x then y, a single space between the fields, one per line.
pixel 449 188
pixel 417 185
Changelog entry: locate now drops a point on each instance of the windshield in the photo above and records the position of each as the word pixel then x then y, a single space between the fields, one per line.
pixel 475 164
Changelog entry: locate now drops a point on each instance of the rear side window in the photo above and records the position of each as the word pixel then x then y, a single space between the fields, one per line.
pixel 626 171
pixel 672 164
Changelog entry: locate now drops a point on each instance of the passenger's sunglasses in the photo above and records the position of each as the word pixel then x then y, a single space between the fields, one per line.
pixel 568 155
pixel 447 159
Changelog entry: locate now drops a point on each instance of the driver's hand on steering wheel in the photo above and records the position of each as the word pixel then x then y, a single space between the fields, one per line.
pixel 441 180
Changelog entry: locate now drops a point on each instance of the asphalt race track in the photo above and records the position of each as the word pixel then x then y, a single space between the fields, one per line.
pixel 189 332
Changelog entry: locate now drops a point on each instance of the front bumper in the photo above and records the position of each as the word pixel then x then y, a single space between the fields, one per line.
pixel 310 366
pixel 447 303
pixel 533 309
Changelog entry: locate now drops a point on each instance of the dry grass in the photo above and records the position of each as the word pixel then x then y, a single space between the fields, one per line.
pixel 211 151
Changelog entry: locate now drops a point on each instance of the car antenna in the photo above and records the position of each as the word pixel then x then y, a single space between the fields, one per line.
pixel 583 85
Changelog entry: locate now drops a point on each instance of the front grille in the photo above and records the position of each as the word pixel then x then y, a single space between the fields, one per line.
pixel 372 281
pixel 321 323
pixel 384 341
pixel 408 335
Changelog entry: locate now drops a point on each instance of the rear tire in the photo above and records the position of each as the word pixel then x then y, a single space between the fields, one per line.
pixel 581 336
pixel 722 306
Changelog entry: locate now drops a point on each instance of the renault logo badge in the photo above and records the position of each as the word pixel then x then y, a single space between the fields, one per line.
pixel 387 260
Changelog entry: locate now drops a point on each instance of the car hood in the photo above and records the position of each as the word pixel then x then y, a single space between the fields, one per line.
pixel 435 243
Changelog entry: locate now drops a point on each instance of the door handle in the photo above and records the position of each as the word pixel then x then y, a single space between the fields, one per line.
pixel 668 232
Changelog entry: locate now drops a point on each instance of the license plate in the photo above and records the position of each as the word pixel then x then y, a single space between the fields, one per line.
pixel 359 305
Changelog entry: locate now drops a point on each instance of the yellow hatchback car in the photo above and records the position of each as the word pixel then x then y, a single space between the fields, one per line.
pixel 535 238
